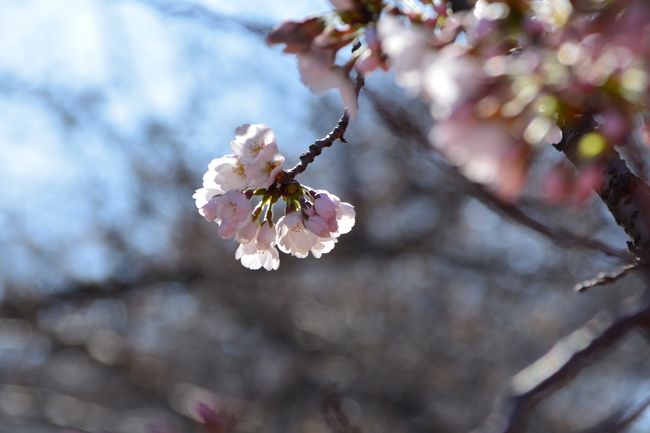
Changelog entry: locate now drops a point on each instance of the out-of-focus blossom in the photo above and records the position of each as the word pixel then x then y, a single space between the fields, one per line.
pixel 319 73
pixel 451 77
pixel 482 150
pixel 491 10
pixel 343 5
pixel 553 13
pixel 372 57
pixel 297 35
pixel 557 184
pixel 590 179
pixel 408 50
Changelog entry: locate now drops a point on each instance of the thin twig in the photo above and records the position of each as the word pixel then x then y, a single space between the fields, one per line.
pixel 207 16
pixel 606 278
pixel 317 147
pixel 560 365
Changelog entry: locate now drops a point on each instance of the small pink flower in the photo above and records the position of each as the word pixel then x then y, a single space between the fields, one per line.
pixel 248 232
pixel 328 217
pixel 262 173
pixel 233 211
pixel 293 237
pixel 317 226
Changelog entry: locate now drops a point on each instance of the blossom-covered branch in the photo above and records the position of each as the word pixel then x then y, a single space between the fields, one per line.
pixel 313 219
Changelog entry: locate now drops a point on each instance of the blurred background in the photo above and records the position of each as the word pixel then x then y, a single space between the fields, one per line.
pixel 122 311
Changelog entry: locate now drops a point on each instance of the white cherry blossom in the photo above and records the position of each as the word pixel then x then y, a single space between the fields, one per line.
pixel 262 173
pixel 204 202
pixel 253 143
pixel 293 236
pixel 260 252
pixel 225 173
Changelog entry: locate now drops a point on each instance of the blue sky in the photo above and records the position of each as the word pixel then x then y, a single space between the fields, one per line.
pixel 116 66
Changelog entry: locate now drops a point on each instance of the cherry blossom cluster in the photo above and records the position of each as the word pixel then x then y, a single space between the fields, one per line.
pixel 241 190
pixel 502 79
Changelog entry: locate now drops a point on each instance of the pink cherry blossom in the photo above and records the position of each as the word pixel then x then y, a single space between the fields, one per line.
pixel 450 77
pixel 317 225
pixel 343 5
pixel 297 35
pixel 339 215
pixel 293 237
pixel 408 50
pixel 248 232
pixel 478 148
pixel 262 173
pixel 205 203
pixel 233 211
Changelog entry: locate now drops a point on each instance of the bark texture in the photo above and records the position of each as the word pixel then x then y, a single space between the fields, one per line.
pixel 626 195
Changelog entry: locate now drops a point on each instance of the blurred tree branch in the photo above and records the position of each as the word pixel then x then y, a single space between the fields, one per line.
pixel 209 17
pixel 400 124
pixel 563 362
pixel 619 421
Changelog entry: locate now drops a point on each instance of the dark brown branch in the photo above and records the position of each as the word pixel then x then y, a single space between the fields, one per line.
pixel 561 364
pixel 625 194
pixel 317 147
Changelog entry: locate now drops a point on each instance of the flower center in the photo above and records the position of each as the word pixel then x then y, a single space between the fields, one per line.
pixel 239 170
pixel 257 147
pixel 270 166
